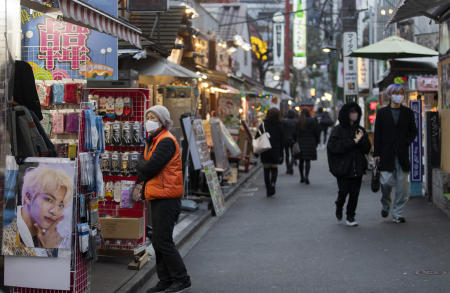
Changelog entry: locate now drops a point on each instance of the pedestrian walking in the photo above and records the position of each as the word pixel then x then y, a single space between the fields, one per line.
pixel 308 139
pixel 347 147
pixel 324 121
pixel 161 170
pixel 271 158
pixel 395 130
pixel 289 127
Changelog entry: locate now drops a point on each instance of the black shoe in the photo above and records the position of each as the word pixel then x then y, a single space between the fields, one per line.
pixel 270 191
pixel 178 287
pixel 302 180
pixel 338 214
pixel 384 213
pixel 351 222
pixel 307 181
pixel 159 288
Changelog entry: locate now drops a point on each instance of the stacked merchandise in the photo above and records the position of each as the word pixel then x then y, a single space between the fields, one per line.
pixel 122 219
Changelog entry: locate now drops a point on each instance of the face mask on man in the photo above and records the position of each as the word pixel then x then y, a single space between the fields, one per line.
pixel 397 99
pixel 354 116
pixel 151 126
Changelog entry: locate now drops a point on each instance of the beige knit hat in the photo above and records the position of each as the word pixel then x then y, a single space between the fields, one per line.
pixel 162 114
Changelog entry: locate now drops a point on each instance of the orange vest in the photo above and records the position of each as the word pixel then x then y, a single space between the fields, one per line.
pixel 169 182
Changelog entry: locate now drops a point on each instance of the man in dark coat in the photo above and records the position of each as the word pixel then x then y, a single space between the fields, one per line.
pixel 395 130
pixel 324 121
pixel 347 147
pixel 289 127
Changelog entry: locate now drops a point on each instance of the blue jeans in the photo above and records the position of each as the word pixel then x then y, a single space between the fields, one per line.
pixel 389 180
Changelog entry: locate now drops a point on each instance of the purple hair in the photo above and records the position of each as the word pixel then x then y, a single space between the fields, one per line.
pixel 395 89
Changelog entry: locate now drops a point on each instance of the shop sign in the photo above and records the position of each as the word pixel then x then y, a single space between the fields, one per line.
pixel 350 65
pixel 57 49
pixel 430 84
pixel 278 44
pixel 363 73
pixel 201 48
pixel 416 147
pixel 299 36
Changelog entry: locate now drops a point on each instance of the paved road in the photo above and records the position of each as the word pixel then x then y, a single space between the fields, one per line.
pixel 293 243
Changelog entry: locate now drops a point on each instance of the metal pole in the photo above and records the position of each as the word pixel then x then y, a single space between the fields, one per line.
pixel 370 43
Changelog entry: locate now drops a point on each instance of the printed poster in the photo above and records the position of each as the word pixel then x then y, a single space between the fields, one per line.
pixel 38 209
pixel 214 188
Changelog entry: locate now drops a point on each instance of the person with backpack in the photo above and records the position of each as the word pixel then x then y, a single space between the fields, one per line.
pixel 324 121
pixel 289 127
pixel 347 147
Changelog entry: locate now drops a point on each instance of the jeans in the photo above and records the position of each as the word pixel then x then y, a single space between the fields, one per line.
pixel 169 264
pixel 351 187
pixel 389 180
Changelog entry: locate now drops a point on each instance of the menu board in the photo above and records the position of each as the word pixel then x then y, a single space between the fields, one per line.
pixel 208 167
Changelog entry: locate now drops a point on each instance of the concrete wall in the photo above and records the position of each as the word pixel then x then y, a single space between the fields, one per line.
pixel 441 183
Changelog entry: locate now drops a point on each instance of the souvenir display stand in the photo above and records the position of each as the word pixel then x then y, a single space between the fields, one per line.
pixel 123 221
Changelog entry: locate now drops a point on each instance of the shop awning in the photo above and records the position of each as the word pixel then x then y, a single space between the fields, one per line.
pixel 83 14
pixel 433 9
pixel 159 67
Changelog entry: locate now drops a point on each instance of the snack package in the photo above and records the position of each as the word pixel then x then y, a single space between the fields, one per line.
pixel 118 107
pixel 117 191
pixel 127 189
pixel 105 162
pixel 137 133
pixel 116 133
pixel 109 190
pixel 57 123
pixel 46 123
pixel 108 133
pixel 83 236
pixel 72 154
pixel 102 106
pixel 58 93
pixel 115 164
pixel 43 92
pixel 72 122
pixel 110 107
pixel 125 163
pixel 127 106
pixel 72 93
pixel 126 133
pixel 133 160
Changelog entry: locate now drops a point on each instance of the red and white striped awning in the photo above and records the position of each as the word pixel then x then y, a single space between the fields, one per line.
pixel 83 14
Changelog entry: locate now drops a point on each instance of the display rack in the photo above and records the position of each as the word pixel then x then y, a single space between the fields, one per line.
pixel 140 99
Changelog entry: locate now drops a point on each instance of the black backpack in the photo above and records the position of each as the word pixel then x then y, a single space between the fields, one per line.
pixel 28 138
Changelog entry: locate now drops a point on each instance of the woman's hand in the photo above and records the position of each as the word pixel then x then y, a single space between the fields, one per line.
pixel 358 136
pixel 49 238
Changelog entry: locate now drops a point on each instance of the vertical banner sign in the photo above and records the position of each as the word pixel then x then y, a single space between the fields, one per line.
pixel 350 67
pixel 416 147
pixel 363 73
pixel 299 36
pixel 278 44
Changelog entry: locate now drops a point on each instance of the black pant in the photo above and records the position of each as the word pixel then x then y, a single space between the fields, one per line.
pixel 325 132
pixel 289 157
pixel 351 187
pixel 169 264
pixel 304 168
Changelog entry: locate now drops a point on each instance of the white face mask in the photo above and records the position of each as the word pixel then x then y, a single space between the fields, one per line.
pixel 397 99
pixel 151 126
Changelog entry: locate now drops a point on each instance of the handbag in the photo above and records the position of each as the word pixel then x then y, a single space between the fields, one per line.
pixel 262 143
pixel 375 182
pixel 295 149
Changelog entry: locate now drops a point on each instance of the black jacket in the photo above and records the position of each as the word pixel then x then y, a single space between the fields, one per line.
pixel 162 155
pixel 289 127
pixel 392 140
pixel 275 154
pixel 25 92
pixel 308 138
pixel 347 159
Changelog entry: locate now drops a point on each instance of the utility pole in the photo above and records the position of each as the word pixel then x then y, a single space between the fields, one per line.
pixel 349 20
pixel 287 44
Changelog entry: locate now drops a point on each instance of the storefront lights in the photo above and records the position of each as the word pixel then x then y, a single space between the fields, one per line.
pixel 383 11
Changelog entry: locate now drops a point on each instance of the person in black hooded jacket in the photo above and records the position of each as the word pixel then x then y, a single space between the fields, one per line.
pixel 289 127
pixel 347 146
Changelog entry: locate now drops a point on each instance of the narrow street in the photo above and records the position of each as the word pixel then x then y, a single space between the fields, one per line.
pixel 293 243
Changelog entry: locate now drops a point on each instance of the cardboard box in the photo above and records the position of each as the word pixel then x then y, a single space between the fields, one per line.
pixel 123 228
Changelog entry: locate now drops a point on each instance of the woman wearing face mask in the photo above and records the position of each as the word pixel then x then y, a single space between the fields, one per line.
pixel 346 149
pixel 161 170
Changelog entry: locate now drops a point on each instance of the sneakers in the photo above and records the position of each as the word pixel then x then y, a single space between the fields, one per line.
pixel 338 214
pixel 399 220
pixel 384 213
pixel 351 222
pixel 159 288
pixel 178 287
